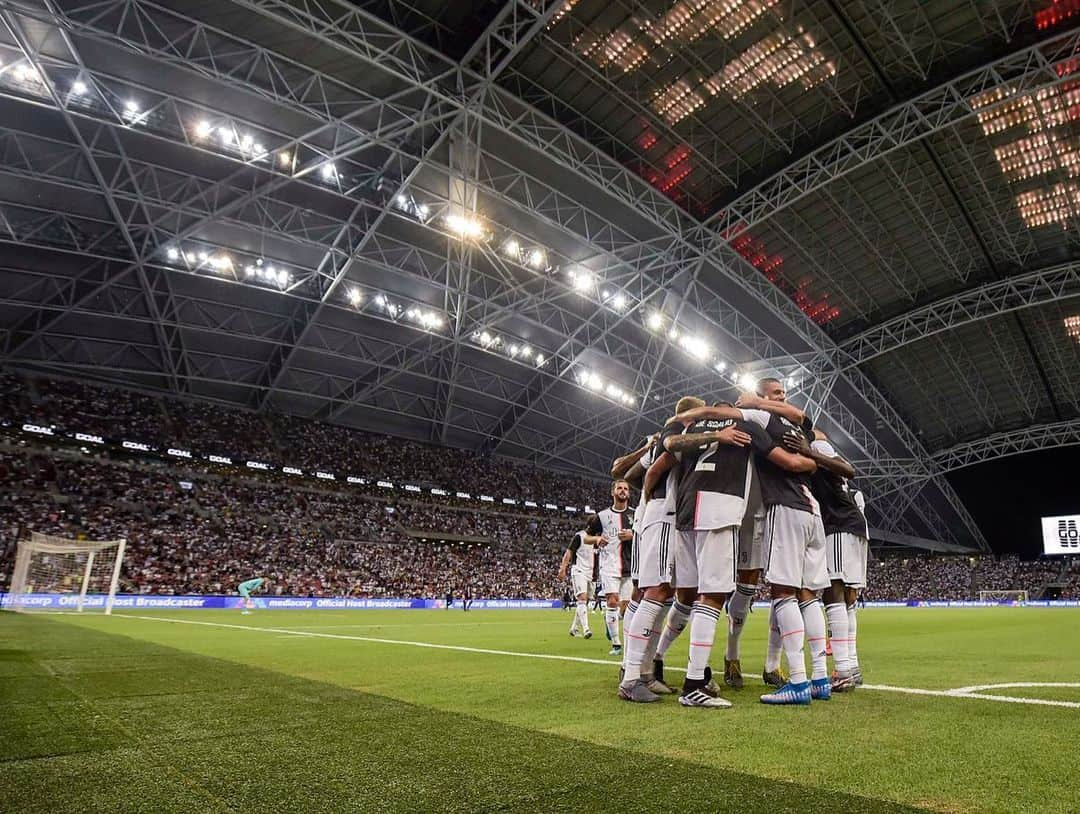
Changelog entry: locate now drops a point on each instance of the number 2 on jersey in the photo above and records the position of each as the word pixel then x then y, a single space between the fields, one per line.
pixel 704 464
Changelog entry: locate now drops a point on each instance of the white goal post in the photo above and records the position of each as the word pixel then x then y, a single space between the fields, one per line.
pixel 999 596
pixel 84 573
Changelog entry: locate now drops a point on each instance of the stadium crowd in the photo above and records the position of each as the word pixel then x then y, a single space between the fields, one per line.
pixel 191 533
pixel 194 533
pixel 191 530
pixel 285 440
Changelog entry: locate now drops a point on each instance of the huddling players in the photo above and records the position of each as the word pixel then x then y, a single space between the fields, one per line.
pixel 728 493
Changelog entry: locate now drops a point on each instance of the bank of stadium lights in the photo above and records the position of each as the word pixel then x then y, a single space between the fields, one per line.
pixel 746 381
pixel 565 8
pixel 224 263
pixel 1072 327
pixel 694 346
pixel 229 138
pixel 407 203
pixel 615 300
pixel 25 73
pixel 582 280
pixel 423 318
pixel 688 20
pixel 132 113
pixel 590 380
pixel 465 226
pixel 428 320
pixel 518 351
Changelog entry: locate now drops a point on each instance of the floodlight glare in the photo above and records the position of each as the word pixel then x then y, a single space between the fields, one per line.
pixel 582 280
pixel 464 227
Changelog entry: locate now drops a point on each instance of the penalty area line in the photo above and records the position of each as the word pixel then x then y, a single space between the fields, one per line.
pixel 576 659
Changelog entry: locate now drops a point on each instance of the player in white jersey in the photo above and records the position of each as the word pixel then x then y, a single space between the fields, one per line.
pixel 632 468
pixel 658 620
pixel 851 593
pixel 658 542
pixel 613 527
pixel 845 553
pixel 772 398
pixel 713 489
pixel 580 559
pixel 795 570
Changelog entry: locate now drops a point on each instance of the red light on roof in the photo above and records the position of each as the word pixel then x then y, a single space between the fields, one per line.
pixel 1058 11
pixel 757 254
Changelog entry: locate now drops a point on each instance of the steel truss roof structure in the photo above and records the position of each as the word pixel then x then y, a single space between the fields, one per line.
pixel 529 227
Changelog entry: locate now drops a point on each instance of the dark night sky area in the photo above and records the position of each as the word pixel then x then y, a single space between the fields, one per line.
pixel 1008 496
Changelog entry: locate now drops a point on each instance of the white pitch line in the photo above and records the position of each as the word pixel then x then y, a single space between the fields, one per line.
pixel 1017 684
pixel 577 659
pixel 310 634
pixel 961 694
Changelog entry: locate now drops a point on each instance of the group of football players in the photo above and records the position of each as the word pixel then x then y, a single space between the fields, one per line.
pixel 729 493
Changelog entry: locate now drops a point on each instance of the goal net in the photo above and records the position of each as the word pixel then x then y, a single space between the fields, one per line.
pixel 1003 596
pixel 55 573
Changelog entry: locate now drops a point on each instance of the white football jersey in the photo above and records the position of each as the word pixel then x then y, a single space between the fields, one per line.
pixel 584 556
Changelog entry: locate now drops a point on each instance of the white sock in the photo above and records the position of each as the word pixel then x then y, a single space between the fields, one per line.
pixel 638 634
pixel 853 654
pixel 837 615
pixel 772 655
pixel 814 624
pixel 790 622
pixel 657 628
pixel 703 623
pixel 676 621
pixel 627 620
pixel 611 619
pixel 737 609
pixel 581 616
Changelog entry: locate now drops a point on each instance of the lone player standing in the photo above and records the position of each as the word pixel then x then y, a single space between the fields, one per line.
pixel 614 528
pixel 580 559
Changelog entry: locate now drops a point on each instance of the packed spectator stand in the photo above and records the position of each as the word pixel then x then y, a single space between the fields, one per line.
pixel 196 528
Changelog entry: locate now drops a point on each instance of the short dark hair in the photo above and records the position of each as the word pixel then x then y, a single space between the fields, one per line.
pixel 722 404
pixel 617 481
pixel 764 381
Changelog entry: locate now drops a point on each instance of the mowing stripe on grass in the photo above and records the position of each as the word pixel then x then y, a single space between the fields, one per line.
pixel 963 692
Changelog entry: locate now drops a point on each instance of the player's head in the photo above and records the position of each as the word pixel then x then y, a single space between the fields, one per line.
pixel 771 389
pixel 722 403
pixel 688 403
pixel 620 491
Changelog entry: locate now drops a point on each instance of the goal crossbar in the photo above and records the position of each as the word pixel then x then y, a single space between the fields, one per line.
pixel 46 564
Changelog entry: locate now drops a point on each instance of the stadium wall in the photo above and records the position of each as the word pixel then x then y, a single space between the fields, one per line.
pixel 208 602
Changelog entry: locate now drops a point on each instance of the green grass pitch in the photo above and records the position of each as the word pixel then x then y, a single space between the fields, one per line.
pixel 253 713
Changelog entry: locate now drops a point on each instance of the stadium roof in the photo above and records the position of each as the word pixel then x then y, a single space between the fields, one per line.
pixel 528 226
